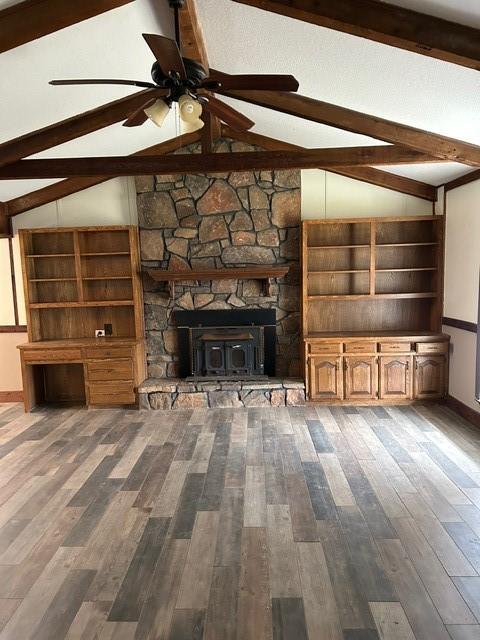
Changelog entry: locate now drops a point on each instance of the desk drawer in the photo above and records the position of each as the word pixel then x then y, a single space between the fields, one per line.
pixel 112 393
pixel 325 347
pixel 106 370
pixel 432 347
pixel 360 347
pixel 108 352
pixel 52 355
pixel 395 347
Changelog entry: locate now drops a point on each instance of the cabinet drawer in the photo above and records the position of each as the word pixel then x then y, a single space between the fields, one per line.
pixel 360 347
pixel 395 347
pixel 52 355
pixel 108 352
pixel 326 347
pixel 110 370
pixel 432 347
pixel 112 393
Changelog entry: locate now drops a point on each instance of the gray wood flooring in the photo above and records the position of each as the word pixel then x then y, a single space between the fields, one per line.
pixel 310 523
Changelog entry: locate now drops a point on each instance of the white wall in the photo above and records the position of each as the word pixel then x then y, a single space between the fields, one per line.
pixel 462 266
pixel 327 195
pixel 113 202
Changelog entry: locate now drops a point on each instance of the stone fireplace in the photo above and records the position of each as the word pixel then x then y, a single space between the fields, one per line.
pixel 220 221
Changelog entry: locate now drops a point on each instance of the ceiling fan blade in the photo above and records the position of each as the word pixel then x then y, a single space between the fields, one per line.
pixel 139 116
pixel 133 83
pixel 228 114
pixel 252 81
pixel 166 53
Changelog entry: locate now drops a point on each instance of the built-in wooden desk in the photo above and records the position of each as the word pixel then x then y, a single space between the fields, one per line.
pixel 91 371
pixel 79 281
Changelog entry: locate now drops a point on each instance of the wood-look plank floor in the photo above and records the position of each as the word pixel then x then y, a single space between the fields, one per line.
pixel 315 523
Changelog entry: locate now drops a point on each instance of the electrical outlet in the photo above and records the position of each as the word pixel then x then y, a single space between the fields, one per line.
pixel 99 333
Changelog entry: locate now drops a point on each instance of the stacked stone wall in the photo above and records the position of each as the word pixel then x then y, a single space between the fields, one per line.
pixel 223 220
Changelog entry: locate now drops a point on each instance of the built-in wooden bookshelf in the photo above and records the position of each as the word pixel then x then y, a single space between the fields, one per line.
pixel 76 281
pixel 372 273
pixel 369 278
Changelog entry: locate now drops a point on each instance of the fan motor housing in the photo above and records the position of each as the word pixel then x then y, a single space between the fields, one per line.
pixel 196 74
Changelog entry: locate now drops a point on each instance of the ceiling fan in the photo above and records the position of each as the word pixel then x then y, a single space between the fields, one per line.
pixel 187 82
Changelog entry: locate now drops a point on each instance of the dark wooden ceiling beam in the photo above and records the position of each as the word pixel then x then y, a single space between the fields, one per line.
pixel 71 128
pixel 370 175
pixel 74 185
pixel 391 181
pixel 192 41
pixel 210 163
pixel 388 24
pixel 462 180
pixel 32 19
pixel 356 122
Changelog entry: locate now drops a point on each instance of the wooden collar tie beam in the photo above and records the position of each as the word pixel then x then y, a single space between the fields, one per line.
pixel 211 162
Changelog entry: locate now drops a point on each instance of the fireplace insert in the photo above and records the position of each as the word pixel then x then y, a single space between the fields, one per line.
pixel 226 344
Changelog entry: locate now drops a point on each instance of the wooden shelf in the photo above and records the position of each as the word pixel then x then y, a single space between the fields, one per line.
pixel 316 273
pixel 266 273
pixel 106 277
pixel 91 303
pixel 407 244
pixel 406 269
pixel 52 280
pixel 104 253
pixel 50 255
pixel 405 296
pixel 375 296
pixel 340 246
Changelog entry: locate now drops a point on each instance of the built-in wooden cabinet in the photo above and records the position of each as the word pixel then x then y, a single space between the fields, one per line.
pixel 326 377
pixel 360 377
pixel 395 377
pixel 429 378
pixel 76 281
pixel 372 300
pixel 374 377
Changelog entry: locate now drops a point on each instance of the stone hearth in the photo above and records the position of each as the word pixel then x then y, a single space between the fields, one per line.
pixel 178 394
pixel 223 220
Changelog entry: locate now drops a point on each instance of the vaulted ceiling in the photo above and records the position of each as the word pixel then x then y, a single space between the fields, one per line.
pixel 331 66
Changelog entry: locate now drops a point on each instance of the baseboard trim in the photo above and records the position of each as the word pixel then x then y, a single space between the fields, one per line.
pixel 463 410
pixel 11 396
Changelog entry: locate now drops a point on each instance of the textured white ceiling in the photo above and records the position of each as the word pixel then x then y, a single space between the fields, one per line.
pixel 330 66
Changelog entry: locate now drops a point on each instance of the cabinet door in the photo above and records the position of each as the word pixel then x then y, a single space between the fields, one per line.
pixel 360 377
pixel 429 377
pixel 325 382
pixel 395 379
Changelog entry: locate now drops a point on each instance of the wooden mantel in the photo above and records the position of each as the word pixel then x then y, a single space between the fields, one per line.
pixel 266 273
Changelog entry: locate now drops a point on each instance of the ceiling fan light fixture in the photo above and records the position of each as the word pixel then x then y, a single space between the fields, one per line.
pixel 190 127
pixel 190 109
pixel 157 112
